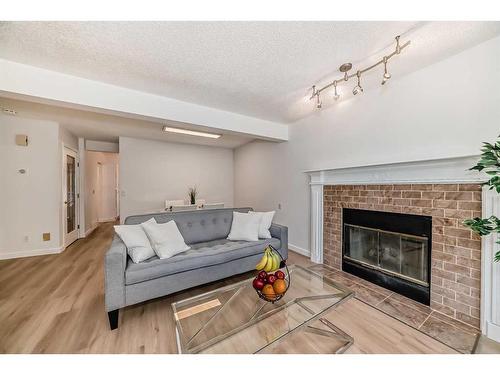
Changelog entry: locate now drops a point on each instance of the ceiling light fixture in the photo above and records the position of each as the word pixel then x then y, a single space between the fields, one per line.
pixel 318 101
pixel 357 89
pixel 386 76
pixel 315 93
pixel 345 68
pixel 190 132
pixel 336 95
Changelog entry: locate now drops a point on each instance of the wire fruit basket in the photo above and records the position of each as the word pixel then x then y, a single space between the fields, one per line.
pixel 264 282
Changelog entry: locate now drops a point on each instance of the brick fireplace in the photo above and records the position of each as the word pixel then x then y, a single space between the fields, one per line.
pixel 456 252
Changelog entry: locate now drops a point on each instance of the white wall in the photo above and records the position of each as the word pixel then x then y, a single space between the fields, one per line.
pixel 93 214
pixel 443 110
pixel 30 203
pixel 153 171
pixel 101 146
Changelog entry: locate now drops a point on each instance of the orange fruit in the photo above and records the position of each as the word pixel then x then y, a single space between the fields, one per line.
pixel 268 291
pixel 279 286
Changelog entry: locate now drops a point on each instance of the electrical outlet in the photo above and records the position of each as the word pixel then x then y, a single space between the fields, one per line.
pixel 46 236
pixel 26 239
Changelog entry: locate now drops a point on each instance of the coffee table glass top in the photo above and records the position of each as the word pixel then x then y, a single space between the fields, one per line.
pixel 233 319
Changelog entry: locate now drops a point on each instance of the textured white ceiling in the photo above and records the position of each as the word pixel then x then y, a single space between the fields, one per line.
pixel 260 69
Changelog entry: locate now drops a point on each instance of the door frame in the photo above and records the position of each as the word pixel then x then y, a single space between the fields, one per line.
pixel 69 239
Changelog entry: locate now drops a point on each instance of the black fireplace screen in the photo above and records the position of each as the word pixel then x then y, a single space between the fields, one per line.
pixel 390 249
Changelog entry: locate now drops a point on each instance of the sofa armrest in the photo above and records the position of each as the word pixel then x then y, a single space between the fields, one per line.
pixel 280 232
pixel 115 263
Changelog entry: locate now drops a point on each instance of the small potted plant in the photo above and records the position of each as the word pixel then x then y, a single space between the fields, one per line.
pixel 192 194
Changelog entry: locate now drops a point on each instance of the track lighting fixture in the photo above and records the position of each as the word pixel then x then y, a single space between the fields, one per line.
pixel 398 47
pixel 387 75
pixel 315 93
pixel 346 67
pixel 336 95
pixel 357 89
pixel 318 101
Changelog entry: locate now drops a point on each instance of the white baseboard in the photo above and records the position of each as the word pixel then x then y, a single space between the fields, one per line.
pixel 106 219
pixel 299 250
pixel 91 229
pixel 493 331
pixel 31 253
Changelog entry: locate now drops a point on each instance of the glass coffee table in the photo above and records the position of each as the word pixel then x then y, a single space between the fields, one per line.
pixel 233 319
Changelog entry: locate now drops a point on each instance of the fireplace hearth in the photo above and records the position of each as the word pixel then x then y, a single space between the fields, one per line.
pixel 390 249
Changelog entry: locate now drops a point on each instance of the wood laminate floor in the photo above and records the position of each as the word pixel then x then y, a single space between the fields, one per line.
pixel 55 304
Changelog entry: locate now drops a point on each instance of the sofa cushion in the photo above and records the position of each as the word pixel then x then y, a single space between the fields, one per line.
pixel 200 255
pixel 195 226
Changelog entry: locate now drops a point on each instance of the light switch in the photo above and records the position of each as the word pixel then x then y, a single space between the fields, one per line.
pixel 21 140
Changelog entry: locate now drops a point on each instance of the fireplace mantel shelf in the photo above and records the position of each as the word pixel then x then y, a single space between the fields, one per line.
pixel 448 170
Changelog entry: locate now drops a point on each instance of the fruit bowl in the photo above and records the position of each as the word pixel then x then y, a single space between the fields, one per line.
pixel 273 281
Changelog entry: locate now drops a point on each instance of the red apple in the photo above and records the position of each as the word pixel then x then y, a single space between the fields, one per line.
pixel 262 275
pixel 271 278
pixel 258 284
pixel 280 274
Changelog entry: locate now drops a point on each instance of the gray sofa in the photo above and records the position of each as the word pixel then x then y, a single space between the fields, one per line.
pixel 211 257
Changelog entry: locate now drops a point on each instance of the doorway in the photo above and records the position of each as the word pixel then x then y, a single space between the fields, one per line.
pixel 107 186
pixel 100 188
pixel 70 196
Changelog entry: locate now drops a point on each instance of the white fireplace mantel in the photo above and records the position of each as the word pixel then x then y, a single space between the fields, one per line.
pixel 449 170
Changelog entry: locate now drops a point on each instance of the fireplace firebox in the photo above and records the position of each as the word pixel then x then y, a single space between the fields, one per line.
pixel 392 250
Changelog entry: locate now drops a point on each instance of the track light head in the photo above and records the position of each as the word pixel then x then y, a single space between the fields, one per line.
pixel 386 75
pixel 358 89
pixel 336 95
pixel 318 101
pixel 313 94
pixel 398 47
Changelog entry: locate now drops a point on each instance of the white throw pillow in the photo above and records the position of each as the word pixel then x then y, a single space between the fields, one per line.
pixel 266 219
pixel 245 227
pixel 137 243
pixel 166 238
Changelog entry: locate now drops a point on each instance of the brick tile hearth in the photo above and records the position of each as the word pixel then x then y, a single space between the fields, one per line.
pixel 456 250
pixel 462 337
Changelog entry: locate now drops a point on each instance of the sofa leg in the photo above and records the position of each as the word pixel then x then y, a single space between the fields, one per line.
pixel 113 319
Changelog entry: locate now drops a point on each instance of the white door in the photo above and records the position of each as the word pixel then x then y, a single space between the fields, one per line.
pixel 70 197
pixel 107 192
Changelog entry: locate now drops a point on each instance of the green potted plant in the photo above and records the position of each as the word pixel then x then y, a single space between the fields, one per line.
pixel 489 163
pixel 192 194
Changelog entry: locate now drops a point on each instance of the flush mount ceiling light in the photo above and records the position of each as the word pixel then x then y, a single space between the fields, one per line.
pixel 346 67
pixel 190 132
